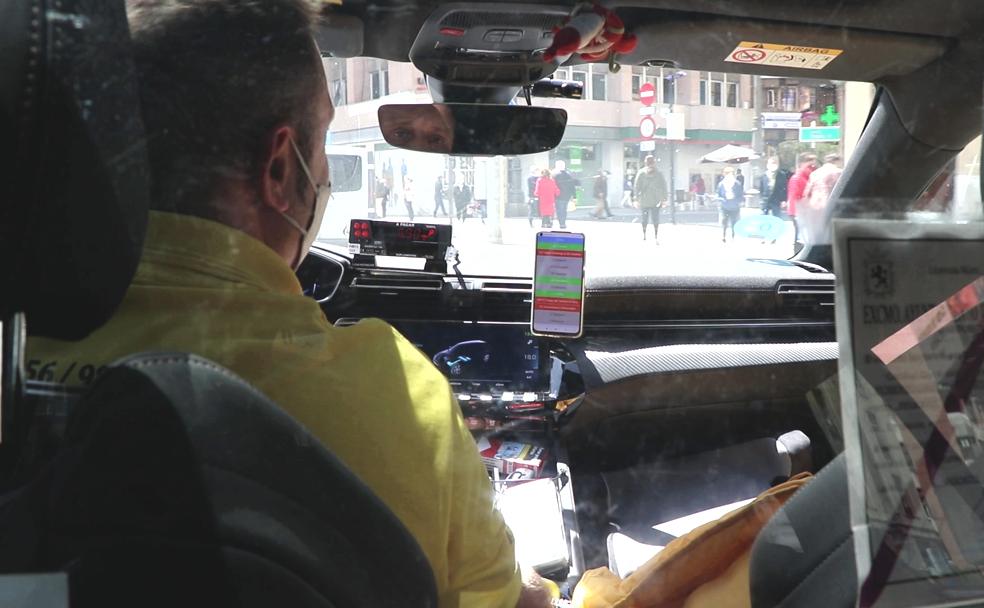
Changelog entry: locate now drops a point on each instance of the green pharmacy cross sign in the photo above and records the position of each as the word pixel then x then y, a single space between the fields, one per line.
pixel 830 116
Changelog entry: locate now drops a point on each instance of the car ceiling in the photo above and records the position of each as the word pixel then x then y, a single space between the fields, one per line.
pixel 922 30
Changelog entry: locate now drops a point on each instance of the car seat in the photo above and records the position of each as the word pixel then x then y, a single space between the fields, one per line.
pixel 173 482
pixel 804 556
pixel 653 503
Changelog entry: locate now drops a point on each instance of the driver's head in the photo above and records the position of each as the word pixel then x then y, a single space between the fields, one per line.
pixel 420 127
pixel 236 108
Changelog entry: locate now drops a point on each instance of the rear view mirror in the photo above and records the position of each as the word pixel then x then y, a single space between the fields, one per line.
pixel 472 129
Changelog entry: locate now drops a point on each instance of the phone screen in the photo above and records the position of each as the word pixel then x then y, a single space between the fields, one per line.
pixel 558 284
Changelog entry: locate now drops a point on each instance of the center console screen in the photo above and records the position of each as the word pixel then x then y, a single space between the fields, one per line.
pixel 495 355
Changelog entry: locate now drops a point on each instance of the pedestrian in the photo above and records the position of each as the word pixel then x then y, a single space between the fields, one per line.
pixel 817 195
pixel 439 193
pixel 627 185
pixel 601 210
pixel 531 202
pixel 773 188
pixel 462 196
pixel 697 189
pixel 382 193
pixel 731 193
pixel 794 194
pixel 740 178
pixel 546 192
pixel 568 188
pixel 650 194
pixel 408 196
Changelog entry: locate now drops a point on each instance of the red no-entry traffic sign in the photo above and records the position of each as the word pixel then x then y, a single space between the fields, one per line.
pixel 647 94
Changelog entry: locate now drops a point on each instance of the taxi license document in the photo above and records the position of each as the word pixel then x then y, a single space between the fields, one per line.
pixel 910 323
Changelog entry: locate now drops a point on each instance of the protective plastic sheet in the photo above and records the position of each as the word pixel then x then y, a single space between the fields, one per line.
pixel 910 323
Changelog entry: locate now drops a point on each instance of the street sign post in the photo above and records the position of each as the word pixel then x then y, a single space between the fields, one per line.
pixel 647 127
pixel 819 134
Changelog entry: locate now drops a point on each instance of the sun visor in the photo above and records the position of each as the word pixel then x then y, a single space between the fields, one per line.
pixel 340 35
pixel 772 48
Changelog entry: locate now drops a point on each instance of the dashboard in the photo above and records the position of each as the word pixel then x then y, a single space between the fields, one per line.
pixel 669 363
pixel 476 329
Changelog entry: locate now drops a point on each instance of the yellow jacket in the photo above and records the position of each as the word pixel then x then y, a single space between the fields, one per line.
pixel 365 391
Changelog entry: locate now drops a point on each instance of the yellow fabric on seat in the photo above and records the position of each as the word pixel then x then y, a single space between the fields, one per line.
pixel 364 391
pixel 706 567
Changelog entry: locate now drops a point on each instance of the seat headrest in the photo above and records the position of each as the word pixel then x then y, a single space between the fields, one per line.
pixel 73 163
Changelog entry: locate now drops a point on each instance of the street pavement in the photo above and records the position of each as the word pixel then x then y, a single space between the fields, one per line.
pixel 614 246
pixel 702 216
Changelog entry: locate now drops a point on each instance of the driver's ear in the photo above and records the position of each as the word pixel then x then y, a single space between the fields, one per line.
pixel 277 169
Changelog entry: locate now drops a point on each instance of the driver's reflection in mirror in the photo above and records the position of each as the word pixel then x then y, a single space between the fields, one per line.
pixel 424 128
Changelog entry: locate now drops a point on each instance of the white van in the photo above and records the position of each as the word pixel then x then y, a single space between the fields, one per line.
pixel 350 189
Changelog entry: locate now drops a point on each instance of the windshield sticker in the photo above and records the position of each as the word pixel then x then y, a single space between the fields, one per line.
pixel 910 321
pixel 783 55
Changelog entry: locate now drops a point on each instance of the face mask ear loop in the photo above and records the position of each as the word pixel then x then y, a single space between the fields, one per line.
pixel 307 172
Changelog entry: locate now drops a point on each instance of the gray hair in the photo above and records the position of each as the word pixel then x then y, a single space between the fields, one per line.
pixel 216 77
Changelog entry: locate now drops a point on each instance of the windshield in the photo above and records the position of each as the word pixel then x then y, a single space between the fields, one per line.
pixel 723 148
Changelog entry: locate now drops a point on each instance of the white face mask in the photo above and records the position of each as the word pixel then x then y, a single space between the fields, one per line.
pixel 321 195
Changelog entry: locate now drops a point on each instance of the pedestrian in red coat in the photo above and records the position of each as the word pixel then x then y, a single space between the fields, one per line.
pixel 796 189
pixel 546 192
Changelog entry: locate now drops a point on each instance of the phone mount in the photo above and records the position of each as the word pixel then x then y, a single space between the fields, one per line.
pixel 429 242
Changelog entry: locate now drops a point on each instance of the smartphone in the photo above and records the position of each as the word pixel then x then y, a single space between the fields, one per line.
pixel 558 285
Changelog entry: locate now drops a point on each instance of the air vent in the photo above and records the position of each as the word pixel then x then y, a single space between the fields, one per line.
pixel 398 283
pixel 807 297
pixel 506 286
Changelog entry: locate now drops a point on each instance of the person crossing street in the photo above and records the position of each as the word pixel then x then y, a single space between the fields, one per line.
pixel 650 193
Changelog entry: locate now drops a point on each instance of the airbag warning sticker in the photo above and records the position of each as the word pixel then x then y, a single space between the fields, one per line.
pixel 783 55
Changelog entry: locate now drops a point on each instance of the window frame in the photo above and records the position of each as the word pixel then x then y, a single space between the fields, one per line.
pixel 379 82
